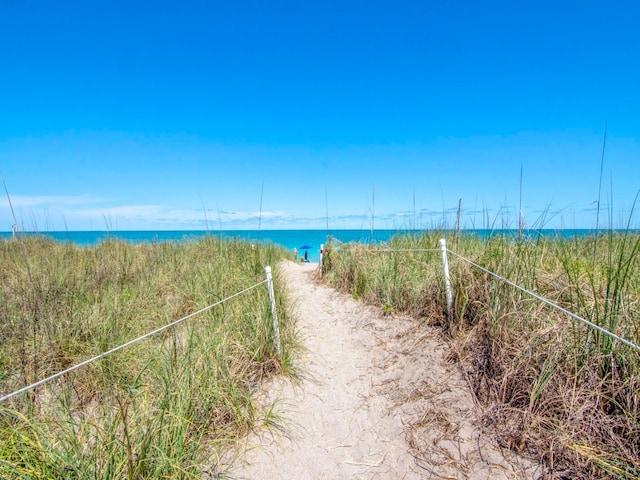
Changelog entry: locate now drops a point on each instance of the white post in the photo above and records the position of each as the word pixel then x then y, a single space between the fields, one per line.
pixel 321 255
pixel 447 279
pixel 272 297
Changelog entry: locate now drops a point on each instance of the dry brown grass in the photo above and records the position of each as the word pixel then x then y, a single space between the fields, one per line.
pixel 552 388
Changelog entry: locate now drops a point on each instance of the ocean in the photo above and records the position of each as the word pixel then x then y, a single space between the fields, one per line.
pixel 289 239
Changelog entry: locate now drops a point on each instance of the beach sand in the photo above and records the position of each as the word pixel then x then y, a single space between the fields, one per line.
pixel 375 400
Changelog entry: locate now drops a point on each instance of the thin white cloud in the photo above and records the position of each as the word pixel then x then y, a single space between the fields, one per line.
pixel 234 216
pixel 158 217
pixel 125 211
pixel 88 213
pixel 49 201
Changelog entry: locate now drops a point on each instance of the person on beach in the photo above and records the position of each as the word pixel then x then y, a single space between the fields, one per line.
pixel 295 254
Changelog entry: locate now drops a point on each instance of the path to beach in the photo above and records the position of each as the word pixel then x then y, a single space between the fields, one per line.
pixel 376 400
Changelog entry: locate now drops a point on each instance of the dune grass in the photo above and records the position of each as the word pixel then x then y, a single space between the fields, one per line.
pixel 162 408
pixel 552 388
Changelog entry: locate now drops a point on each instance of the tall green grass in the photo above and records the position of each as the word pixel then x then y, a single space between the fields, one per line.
pixel 164 407
pixel 552 387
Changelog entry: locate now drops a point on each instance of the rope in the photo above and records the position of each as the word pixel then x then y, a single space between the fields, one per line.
pixel 550 303
pixel 331 238
pixel 403 250
pixel 124 345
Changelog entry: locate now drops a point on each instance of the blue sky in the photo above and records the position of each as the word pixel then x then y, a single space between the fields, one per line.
pixel 188 115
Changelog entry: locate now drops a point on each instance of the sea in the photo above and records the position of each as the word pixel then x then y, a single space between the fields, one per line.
pixel 304 241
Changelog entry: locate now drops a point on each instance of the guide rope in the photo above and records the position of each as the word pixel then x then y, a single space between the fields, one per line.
pixel 550 303
pixel 404 250
pixel 124 345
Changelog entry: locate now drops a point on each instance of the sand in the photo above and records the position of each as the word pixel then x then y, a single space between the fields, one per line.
pixel 375 400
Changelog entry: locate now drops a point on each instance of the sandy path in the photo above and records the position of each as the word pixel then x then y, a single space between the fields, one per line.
pixel 376 401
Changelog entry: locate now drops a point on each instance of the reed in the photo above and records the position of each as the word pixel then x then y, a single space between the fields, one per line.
pixel 551 387
pixel 164 407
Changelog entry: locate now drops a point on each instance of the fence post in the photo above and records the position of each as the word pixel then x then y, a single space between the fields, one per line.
pixel 447 279
pixel 274 314
pixel 321 258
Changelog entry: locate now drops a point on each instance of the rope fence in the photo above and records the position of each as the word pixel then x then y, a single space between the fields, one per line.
pixel 268 281
pixel 590 324
pixel 403 250
pixel 443 249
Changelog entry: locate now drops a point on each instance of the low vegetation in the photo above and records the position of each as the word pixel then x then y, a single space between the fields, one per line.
pixel 164 407
pixel 552 388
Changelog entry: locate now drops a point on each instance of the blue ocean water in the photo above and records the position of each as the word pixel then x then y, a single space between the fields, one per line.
pixel 288 239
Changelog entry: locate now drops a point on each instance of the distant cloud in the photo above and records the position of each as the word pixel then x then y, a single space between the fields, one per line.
pixel 593 209
pixel 136 217
pixel 245 216
pixel 126 211
pixel 26 201
pixel 89 213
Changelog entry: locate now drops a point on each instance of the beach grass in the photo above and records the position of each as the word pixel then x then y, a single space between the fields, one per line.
pixel 165 407
pixel 552 388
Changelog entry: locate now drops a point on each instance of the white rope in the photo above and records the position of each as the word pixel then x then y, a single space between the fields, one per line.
pixel 131 342
pixel 550 303
pixel 403 250
pixel 331 238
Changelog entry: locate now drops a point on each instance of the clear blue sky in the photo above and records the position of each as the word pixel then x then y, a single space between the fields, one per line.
pixel 186 115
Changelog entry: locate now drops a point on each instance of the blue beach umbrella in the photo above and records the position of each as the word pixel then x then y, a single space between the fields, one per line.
pixel 306 246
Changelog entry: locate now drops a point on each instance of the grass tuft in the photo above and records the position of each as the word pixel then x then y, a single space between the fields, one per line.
pixel 551 386
pixel 159 408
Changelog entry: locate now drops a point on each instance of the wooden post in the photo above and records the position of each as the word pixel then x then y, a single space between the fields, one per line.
pixel 447 279
pixel 272 297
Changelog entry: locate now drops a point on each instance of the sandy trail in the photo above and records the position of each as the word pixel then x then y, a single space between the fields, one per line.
pixel 376 401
